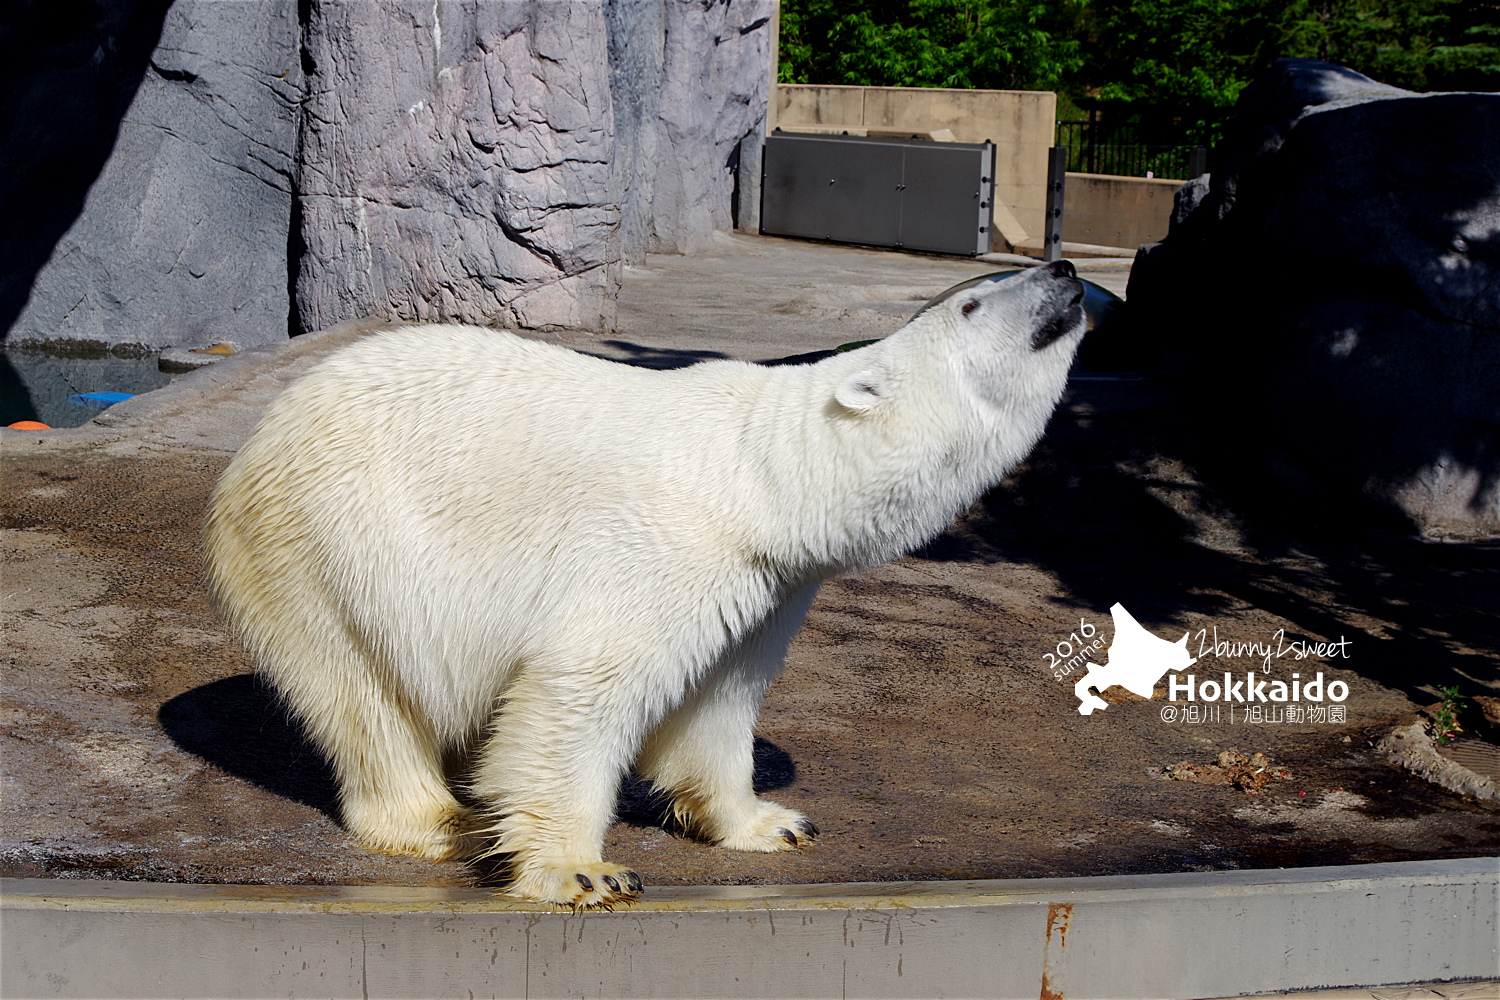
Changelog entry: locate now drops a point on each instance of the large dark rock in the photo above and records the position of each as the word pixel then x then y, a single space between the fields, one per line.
pixel 1337 287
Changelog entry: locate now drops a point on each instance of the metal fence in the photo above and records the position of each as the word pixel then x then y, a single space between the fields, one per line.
pixel 1138 145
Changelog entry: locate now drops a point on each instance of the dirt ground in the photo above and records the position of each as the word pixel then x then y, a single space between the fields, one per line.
pixel 918 722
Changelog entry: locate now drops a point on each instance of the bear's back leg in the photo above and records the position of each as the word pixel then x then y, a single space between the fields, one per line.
pixel 392 792
pixel 385 756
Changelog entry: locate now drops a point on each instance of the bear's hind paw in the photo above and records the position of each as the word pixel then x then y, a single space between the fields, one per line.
pixel 774 828
pixel 453 834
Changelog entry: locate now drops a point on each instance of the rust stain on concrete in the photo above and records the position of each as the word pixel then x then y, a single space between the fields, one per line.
pixel 1059 919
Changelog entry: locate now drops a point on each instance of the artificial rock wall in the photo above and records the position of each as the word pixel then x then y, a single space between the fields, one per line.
pixel 146 170
pixel 279 166
pixel 690 82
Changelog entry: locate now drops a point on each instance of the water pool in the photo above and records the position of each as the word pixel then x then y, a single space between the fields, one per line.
pixel 36 381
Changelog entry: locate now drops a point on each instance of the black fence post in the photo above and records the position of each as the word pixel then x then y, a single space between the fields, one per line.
pixel 1057 175
pixel 1198 162
pixel 1093 166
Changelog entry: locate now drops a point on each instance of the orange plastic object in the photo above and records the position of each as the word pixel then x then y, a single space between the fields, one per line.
pixel 30 425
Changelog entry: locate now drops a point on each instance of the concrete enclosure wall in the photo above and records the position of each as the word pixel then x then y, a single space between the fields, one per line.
pixel 1021 124
pixel 238 170
pixel 1171 937
pixel 1115 211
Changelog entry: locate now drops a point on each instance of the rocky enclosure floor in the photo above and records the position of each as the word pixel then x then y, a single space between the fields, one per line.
pixel 918 722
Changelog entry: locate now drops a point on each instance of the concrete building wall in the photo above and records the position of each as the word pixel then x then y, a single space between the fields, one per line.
pixel 1021 124
pixel 806 104
pixel 1117 211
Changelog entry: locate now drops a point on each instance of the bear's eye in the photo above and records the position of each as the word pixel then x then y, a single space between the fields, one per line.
pixel 970 306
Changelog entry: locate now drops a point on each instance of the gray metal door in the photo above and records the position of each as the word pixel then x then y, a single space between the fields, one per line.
pixel 912 194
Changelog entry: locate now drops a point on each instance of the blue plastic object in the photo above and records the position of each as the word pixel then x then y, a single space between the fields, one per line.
pixel 100 400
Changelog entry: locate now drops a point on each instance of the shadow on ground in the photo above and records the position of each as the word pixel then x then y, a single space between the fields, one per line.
pixel 660 358
pixel 641 805
pixel 240 726
pixel 1133 508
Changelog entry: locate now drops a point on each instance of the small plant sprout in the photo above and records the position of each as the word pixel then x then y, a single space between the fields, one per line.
pixel 1445 716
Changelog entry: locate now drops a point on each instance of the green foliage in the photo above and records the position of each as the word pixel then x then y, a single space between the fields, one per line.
pixel 1416 44
pixel 1190 53
pixel 1445 716
pixel 990 44
pixel 1179 53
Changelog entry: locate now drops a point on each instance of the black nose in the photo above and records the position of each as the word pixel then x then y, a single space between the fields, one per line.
pixel 1064 268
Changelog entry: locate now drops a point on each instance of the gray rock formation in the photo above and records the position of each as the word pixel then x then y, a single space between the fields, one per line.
pixel 177 231
pixel 282 166
pixel 456 164
pixel 636 42
pixel 690 82
pixel 1367 360
pixel 713 95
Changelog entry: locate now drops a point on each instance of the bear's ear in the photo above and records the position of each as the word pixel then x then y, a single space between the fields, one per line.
pixel 861 391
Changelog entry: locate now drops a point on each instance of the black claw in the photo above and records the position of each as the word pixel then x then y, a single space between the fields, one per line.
pixel 583 880
pixel 613 885
pixel 634 882
pixel 808 827
pixel 787 835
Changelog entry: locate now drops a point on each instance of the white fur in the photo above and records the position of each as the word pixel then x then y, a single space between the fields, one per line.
pixel 449 539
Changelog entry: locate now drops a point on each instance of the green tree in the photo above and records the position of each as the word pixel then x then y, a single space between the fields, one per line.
pixel 1182 54
pixel 993 44
pixel 1416 44
pixel 1202 53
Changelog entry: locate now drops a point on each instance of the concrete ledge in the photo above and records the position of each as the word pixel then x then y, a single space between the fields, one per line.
pixel 1033 245
pixel 1214 934
pixel 1486 989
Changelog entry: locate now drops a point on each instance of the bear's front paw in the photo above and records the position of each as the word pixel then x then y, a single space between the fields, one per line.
pixel 581 885
pixel 771 828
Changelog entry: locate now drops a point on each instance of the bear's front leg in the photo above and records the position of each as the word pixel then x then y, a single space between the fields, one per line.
pixel 549 775
pixel 702 754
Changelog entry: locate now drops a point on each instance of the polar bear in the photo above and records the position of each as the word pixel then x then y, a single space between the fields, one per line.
pixel 448 542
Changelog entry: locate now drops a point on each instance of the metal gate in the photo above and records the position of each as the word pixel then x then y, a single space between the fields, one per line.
pixel 914 194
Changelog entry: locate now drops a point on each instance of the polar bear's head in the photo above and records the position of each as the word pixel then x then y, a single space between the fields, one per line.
pixel 936 413
pixel 1005 344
